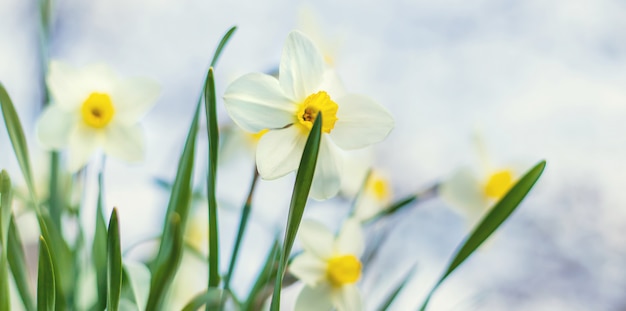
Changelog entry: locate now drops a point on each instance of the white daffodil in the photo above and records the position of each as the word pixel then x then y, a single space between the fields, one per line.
pixel 288 106
pixel 472 192
pixel 92 108
pixel 376 196
pixel 329 267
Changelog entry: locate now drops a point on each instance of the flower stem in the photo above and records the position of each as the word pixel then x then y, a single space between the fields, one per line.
pixel 243 222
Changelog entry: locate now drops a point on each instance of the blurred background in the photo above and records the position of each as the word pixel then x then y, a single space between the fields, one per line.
pixel 538 79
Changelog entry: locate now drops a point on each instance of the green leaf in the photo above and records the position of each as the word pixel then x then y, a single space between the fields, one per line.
pixel 392 296
pixel 114 263
pixel 494 218
pixel 99 248
pixel 17 262
pixel 164 273
pixel 45 280
pixel 221 45
pixel 18 140
pixel 263 279
pixel 301 189
pixel 211 298
pixel 213 137
pixel 5 220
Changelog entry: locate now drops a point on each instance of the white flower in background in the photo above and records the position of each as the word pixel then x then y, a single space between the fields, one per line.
pixel 329 267
pixel 308 22
pixel 288 106
pixel 376 196
pixel 473 192
pixel 93 108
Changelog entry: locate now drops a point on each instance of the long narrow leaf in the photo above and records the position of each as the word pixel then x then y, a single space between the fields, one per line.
pixel 211 298
pixel 16 134
pixel 114 263
pixel 221 45
pixel 45 280
pixel 137 276
pixel 17 262
pixel 213 137
pixel 301 189
pixel 264 278
pixel 494 218
pixel 164 273
pixel 99 248
pixel 5 220
pixel 394 294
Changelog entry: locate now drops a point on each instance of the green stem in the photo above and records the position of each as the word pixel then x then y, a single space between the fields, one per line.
pixel 243 222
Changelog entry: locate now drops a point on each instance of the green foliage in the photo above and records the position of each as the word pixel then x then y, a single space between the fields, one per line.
pixel 114 263
pixel 300 195
pixel 46 295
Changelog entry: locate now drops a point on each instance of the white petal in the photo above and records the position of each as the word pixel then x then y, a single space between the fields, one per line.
pixel 83 142
pixel 327 178
pixel 66 86
pixel 360 122
pixel 356 165
pixel 366 208
pixel 314 299
pixel 301 67
pixel 316 238
pixel 463 192
pixel 279 152
pixel 347 298
pixel 133 97
pixel 99 77
pixel 350 238
pixel 256 102
pixel 308 268
pixel 54 127
pixel 124 142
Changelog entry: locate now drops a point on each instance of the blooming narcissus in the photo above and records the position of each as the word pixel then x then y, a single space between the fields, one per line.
pixel 287 107
pixel 93 108
pixel 376 196
pixel 329 267
pixel 473 192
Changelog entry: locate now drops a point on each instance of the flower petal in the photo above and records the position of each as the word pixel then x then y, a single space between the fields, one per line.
pixel 327 177
pixel 347 298
pixel 124 142
pixel 54 127
pixel 316 238
pixel 308 268
pixel 350 238
pixel 361 122
pixel 316 298
pixel 133 97
pixel 279 152
pixel 83 142
pixel 66 87
pixel 256 102
pixel 301 67
pixel 464 193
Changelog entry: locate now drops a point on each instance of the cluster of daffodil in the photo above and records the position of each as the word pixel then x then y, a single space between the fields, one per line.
pixel 302 120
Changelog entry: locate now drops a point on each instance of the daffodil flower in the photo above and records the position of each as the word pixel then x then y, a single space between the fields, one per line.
pixel 92 108
pixel 376 196
pixel 472 191
pixel 288 106
pixel 329 267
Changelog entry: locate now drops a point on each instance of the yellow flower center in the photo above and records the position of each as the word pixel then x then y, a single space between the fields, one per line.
pixel 378 187
pixel 97 110
pixel 312 105
pixel 343 270
pixel 498 184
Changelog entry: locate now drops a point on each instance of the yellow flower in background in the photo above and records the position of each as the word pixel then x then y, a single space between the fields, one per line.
pixel 288 106
pixel 92 108
pixel 376 196
pixel 329 267
pixel 473 192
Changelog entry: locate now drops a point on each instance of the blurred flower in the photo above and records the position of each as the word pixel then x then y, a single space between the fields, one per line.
pixel 308 22
pixel 473 192
pixel 329 267
pixel 93 108
pixel 376 196
pixel 288 106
